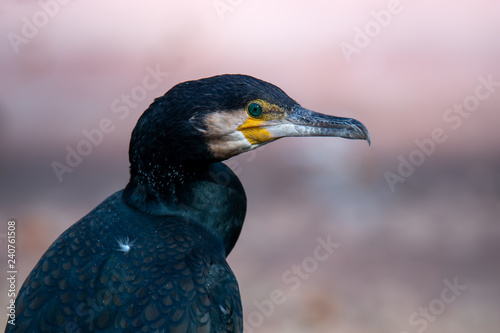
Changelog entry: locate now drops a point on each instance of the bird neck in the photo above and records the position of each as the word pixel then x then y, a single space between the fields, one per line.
pixel 209 195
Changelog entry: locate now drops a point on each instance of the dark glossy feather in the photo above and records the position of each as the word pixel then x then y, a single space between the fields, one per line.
pixel 117 270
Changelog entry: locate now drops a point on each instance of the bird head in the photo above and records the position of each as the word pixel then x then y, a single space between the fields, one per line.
pixel 215 118
pixel 180 137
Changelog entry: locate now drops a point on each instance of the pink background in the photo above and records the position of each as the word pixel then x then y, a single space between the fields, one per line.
pixel 396 247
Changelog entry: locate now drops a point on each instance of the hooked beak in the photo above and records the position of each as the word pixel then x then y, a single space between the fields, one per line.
pixel 304 122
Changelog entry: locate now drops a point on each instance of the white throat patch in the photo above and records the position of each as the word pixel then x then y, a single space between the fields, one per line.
pixel 223 137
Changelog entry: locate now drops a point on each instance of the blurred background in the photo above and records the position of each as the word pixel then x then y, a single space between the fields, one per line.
pixel 413 214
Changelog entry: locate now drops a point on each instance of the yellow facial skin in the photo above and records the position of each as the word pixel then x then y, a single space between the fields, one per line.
pixel 254 128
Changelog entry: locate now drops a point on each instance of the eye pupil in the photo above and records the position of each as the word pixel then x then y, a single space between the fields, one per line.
pixel 255 110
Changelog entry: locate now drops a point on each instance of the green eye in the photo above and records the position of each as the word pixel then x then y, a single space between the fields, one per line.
pixel 255 110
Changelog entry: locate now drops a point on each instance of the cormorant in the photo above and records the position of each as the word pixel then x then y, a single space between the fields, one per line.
pixel 152 257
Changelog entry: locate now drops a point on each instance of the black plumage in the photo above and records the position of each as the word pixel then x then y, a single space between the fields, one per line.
pixel 151 258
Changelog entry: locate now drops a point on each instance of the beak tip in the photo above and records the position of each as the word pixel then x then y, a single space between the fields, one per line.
pixel 363 132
